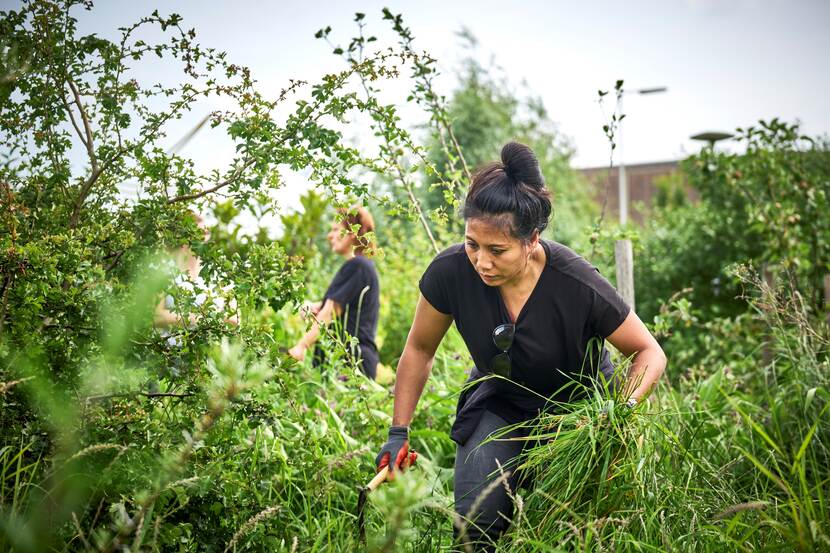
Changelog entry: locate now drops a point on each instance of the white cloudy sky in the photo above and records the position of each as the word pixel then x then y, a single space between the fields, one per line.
pixel 726 63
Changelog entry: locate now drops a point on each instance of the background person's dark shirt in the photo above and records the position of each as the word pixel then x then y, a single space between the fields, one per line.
pixel 356 288
pixel 559 339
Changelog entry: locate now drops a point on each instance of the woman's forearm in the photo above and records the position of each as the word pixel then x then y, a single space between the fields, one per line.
pixel 164 318
pixel 411 376
pixel 310 337
pixel 646 369
pixel 323 317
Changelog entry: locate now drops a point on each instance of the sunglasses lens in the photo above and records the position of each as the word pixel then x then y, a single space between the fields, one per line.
pixel 503 336
pixel 501 365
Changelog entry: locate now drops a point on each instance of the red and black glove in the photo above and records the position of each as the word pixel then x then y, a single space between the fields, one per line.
pixel 397 449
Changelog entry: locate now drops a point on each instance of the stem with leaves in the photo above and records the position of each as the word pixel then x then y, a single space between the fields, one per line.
pixel 610 130
pixel 390 150
pixel 423 73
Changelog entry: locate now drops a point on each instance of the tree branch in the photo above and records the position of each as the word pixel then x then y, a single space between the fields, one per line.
pixel 74 123
pixel 79 202
pixel 5 386
pixel 412 198
pixel 90 149
pixel 115 258
pixel 7 284
pixel 93 178
pixel 133 394
pixel 212 189
pixel 407 185
pixel 195 195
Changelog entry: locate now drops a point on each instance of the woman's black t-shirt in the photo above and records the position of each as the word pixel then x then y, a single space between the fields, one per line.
pixel 356 288
pixel 559 342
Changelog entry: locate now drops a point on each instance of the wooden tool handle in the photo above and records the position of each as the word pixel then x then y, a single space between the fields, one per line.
pixel 379 478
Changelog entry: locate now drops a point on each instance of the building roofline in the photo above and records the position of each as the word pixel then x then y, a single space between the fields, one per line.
pixel 630 165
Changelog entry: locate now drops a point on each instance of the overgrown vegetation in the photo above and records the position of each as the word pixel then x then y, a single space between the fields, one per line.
pixel 120 436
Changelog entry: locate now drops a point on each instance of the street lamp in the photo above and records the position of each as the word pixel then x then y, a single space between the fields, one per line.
pixel 623 181
pixel 711 137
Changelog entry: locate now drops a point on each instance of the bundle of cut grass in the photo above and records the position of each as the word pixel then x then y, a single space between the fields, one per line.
pixel 578 458
pixel 580 461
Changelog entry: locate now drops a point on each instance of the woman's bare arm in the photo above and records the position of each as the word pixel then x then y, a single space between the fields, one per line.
pixel 324 316
pixel 633 338
pixel 164 318
pixel 427 331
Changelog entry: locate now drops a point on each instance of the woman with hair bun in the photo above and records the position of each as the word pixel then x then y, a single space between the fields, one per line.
pixel 530 311
pixel 353 297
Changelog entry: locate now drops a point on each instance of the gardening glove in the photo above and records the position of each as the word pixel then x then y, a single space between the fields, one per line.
pixel 396 448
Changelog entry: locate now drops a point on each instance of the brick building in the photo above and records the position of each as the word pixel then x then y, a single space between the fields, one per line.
pixel 642 188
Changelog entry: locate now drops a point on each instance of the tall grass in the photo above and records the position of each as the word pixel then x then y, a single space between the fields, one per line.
pixel 269 455
pixel 728 462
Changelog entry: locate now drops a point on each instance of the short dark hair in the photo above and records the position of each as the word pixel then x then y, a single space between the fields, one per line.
pixel 515 187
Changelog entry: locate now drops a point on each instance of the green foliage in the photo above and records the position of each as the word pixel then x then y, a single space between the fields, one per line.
pixel 303 232
pixel 692 247
pixel 779 190
pixel 400 267
pixel 765 207
pixel 84 370
pixel 118 435
pixel 484 114
pixel 671 190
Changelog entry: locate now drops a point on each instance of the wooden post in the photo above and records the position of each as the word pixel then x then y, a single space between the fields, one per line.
pixel 624 256
pixel 769 278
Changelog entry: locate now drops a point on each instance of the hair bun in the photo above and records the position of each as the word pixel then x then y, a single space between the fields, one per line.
pixel 521 165
pixel 514 187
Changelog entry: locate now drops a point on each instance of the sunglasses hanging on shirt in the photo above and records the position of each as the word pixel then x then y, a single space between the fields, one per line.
pixel 503 339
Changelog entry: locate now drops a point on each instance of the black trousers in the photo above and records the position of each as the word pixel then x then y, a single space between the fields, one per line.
pixel 485 479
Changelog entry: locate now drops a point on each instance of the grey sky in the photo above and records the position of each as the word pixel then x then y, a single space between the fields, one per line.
pixel 727 63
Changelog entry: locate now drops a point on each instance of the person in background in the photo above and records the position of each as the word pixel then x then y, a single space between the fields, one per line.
pixel 190 266
pixel 353 297
pixel 530 311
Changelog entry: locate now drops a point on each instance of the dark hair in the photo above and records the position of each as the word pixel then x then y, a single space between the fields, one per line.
pixel 516 187
pixel 357 216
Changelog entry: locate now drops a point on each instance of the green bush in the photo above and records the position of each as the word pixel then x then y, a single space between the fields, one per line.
pixel 118 437
pixel 765 207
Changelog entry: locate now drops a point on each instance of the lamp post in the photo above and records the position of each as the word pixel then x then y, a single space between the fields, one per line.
pixel 710 137
pixel 623 181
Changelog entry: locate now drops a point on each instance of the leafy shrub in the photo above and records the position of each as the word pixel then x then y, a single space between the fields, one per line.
pixel 116 437
pixel 765 207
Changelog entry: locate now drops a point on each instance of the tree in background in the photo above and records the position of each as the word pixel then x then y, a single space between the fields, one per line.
pixel 766 208
pixel 91 202
pixel 485 113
